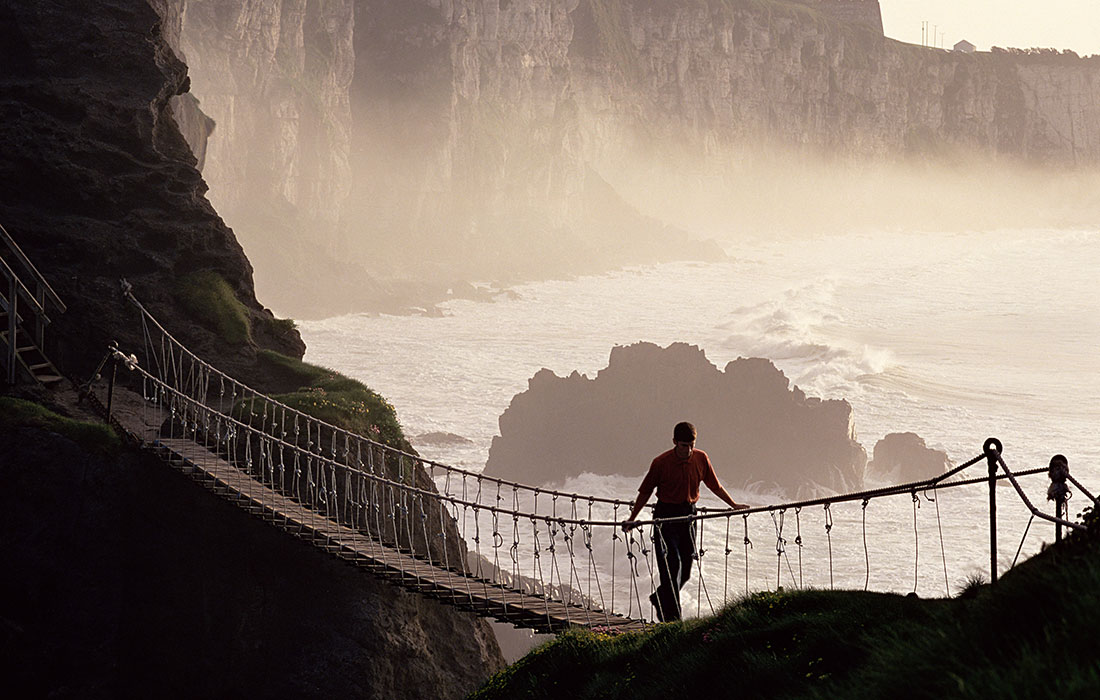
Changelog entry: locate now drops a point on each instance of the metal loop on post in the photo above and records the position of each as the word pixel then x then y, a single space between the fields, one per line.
pixel 992 448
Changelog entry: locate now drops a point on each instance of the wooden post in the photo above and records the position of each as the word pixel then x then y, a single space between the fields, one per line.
pixel 39 326
pixel 992 449
pixel 1058 491
pixel 111 385
pixel 13 328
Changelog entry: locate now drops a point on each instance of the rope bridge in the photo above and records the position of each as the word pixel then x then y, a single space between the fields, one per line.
pixel 533 557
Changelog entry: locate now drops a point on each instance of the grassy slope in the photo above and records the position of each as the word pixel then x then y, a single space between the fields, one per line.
pixel 334 398
pixel 96 438
pixel 1033 635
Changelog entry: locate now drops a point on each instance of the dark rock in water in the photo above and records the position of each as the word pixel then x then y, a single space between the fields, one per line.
pixel 439 438
pixel 904 457
pixel 756 428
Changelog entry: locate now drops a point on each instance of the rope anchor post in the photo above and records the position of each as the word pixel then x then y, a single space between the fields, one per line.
pixel 1058 491
pixel 111 381
pixel 992 449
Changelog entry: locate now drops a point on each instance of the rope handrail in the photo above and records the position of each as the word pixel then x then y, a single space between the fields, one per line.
pixel 395 502
pixel 900 489
pixel 343 431
pixel 841 498
pixel 1081 487
pixel 354 470
pixel 1027 502
pixel 702 512
pixel 22 257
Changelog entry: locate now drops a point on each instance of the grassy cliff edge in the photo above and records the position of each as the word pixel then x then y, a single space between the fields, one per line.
pixel 1032 635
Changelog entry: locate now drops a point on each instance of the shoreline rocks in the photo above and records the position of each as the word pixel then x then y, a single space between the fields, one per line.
pixel 903 457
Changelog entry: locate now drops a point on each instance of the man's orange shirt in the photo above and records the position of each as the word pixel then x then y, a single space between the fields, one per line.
pixel 677 480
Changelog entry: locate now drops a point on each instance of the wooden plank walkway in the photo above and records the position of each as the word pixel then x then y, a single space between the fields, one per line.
pixel 455 588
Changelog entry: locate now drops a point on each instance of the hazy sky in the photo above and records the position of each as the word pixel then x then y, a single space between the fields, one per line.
pixel 1061 24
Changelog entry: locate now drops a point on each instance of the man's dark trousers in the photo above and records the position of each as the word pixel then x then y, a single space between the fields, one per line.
pixel 674 545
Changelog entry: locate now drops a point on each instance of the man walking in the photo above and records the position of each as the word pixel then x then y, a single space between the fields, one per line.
pixel 676 475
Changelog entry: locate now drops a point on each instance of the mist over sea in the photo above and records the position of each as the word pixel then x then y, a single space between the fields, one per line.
pixel 954 336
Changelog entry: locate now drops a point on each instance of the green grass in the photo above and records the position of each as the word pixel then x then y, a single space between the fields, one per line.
pixel 95 437
pixel 282 326
pixel 334 398
pixel 211 301
pixel 611 19
pixel 1033 635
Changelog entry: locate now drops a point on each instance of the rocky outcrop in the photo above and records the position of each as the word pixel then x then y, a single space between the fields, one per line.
pixel 126 579
pixel 903 457
pixel 756 428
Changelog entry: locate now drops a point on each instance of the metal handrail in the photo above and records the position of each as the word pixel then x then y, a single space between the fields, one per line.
pixel 44 286
pixel 21 288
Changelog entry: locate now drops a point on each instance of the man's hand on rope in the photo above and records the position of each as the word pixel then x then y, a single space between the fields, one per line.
pixel 629 525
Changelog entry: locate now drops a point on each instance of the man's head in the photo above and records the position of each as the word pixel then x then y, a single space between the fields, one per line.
pixel 683 437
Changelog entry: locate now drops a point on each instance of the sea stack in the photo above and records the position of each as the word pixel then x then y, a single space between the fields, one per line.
pixel 757 429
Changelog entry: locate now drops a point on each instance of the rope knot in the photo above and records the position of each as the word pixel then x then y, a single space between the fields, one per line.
pixel 1058 472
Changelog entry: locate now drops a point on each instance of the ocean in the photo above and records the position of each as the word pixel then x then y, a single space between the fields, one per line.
pixel 954 336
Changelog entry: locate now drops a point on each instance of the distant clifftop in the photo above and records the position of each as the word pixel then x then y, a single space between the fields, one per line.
pixel 865 12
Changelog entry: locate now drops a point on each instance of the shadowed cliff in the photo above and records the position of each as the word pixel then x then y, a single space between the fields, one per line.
pixel 126 579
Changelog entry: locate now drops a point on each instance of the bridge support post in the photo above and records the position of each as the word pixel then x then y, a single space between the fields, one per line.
pixel 1058 491
pixel 13 327
pixel 992 449
pixel 111 383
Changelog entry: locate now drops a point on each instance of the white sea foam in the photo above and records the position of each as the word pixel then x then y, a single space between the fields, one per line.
pixel 954 336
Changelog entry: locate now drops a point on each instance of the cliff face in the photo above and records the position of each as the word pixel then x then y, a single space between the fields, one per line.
pixel 488 138
pixel 97 184
pixel 723 72
pixel 272 79
pixel 755 427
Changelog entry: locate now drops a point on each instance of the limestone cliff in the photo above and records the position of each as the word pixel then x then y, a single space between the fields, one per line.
pixel 756 428
pixel 447 139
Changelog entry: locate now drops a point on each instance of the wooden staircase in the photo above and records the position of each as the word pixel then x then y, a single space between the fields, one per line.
pixel 23 317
